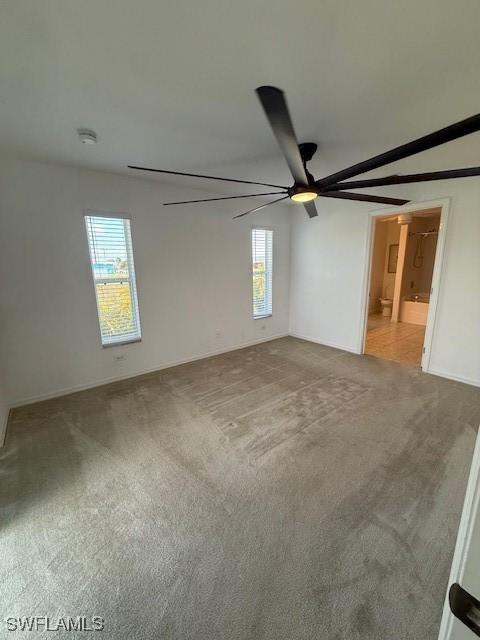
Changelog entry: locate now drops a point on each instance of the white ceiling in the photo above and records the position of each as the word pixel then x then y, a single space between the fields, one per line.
pixel 170 84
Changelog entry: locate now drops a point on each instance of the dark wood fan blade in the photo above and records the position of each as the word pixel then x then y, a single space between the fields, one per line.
pixel 198 175
pixel 413 177
pixel 250 195
pixel 275 106
pixel 362 197
pixel 311 209
pixel 267 204
pixel 452 132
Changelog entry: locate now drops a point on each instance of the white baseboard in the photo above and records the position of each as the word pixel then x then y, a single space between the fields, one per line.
pixel 452 376
pixel 98 383
pixel 325 343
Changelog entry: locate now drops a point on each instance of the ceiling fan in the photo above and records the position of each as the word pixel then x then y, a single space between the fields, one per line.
pixel 305 188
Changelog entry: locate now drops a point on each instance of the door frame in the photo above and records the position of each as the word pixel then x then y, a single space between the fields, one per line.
pixel 470 512
pixel 438 270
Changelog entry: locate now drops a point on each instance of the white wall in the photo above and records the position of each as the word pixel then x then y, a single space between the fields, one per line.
pixel 193 267
pixel 49 338
pixel 328 258
pixel 326 274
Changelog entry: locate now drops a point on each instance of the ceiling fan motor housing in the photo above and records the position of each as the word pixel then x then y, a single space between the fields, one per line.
pixel 307 150
pixel 303 193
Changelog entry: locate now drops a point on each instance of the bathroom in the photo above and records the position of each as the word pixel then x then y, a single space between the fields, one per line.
pixel 403 260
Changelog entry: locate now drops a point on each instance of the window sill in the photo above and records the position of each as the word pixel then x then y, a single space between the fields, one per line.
pixel 107 345
pixel 269 315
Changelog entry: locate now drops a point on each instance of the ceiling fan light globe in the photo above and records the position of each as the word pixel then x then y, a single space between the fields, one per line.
pixel 304 196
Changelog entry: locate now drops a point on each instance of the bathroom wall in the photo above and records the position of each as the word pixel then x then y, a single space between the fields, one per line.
pixel 382 283
pixel 378 267
pixel 392 237
pixel 419 279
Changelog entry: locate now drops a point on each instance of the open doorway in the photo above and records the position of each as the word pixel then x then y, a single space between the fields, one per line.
pixel 404 256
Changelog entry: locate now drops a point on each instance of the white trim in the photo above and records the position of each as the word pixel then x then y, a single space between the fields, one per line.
pixel 433 372
pixel 120 343
pixel 82 387
pixel 453 376
pixel 464 537
pixel 366 276
pixel 444 205
pixel 323 342
pixel 438 269
pixel 3 430
pixel 174 363
pixel 107 214
pixel 262 226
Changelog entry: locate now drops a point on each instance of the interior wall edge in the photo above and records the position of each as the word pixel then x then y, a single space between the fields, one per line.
pixel 325 343
pixel 21 402
pixel 3 427
pixel 453 376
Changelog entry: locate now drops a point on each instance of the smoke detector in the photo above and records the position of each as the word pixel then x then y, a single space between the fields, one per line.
pixel 87 136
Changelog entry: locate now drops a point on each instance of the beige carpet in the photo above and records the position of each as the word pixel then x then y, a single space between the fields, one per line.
pixel 285 491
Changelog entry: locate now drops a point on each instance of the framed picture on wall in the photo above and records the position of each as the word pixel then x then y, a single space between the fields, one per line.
pixel 392 258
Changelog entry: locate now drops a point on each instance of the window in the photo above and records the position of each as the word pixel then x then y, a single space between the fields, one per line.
pixel 111 257
pixel 262 266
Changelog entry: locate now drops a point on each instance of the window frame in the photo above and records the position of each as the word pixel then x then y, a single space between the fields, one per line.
pixel 260 227
pixel 132 276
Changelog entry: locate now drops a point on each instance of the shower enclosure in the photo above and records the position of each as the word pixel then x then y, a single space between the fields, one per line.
pixel 419 260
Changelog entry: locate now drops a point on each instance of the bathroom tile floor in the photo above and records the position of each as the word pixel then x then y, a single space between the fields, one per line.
pixel 397 341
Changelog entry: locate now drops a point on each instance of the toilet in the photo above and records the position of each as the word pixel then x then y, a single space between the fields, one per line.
pixel 386 306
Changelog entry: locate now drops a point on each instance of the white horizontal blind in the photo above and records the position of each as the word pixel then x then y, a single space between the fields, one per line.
pixel 111 257
pixel 262 267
